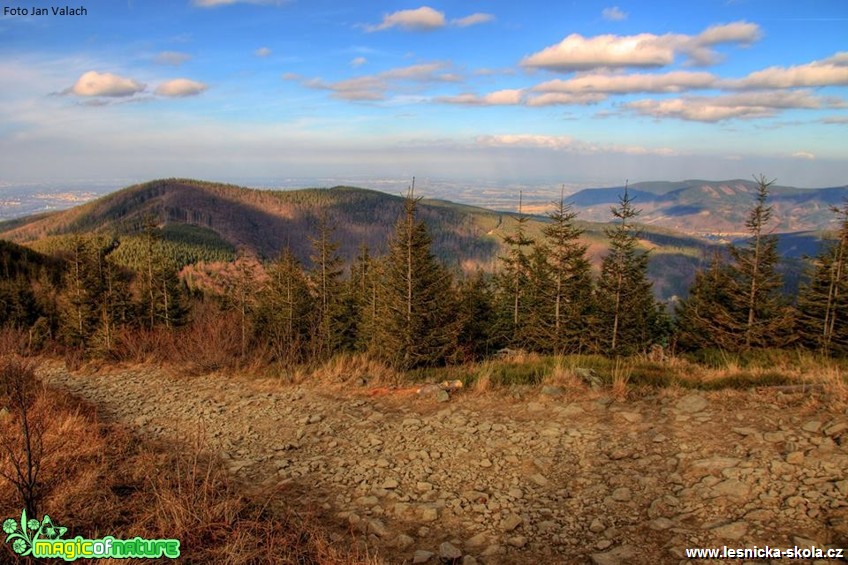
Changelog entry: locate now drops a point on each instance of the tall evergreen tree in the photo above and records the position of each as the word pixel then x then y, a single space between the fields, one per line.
pixel 416 308
pixel 513 281
pixel 114 307
pixel 630 319
pixel 162 300
pixel 476 314
pixel 362 293
pixel 78 303
pixel 285 316
pixel 823 301
pixel 767 319
pixel 565 293
pixel 326 283
pixel 706 318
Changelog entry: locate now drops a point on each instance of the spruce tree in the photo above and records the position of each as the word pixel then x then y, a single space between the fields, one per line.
pixel 476 313
pixel 766 319
pixel 565 294
pixel 162 300
pixel 706 318
pixel 416 306
pixel 285 317
pixel 823 301
pixel 362 300
pixel 513 282
pixel 629 318
pixel 326 284
pixel 79 300
pixel 115 307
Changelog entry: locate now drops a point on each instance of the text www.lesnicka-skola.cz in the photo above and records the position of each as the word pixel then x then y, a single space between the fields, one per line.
pixel 766 552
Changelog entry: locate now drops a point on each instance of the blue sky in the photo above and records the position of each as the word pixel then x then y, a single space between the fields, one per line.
pixel 497 92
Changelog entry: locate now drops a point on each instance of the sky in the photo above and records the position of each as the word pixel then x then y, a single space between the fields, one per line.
pixel 577 92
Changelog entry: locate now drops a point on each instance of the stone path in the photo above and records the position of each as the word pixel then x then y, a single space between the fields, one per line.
pixel 536 479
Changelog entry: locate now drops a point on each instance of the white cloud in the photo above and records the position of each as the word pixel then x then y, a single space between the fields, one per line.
pixel 832 71
pixel 566 143
pixel 263 52
pixel 803 155
pixel 93 83
pixel 746 105
pixel 180 87
pixel 174 58
pixel 358 62
pixel 566 99
pixel 374 87
pixel 840 58
pixel 835 120
pixel 614 14
pixel 473 19
pixel 577 52
pixel 743 33
pixel 419 19
pixel 499 98
pixel 608 83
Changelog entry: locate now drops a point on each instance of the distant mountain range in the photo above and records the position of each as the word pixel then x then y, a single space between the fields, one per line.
pixel 209 221
pixel 714 207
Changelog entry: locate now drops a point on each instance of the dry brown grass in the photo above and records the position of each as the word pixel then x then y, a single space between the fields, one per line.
pixel 621 374
pixel 100 480
pixel 347 368
pixel 484 373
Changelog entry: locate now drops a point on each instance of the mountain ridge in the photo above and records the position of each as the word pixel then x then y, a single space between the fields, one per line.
pixel 224 218
pixel 710 207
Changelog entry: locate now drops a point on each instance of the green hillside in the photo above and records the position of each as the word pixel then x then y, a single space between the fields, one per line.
pixel 200 221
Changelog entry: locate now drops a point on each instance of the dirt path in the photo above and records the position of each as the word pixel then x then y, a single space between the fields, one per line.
pixel 528 480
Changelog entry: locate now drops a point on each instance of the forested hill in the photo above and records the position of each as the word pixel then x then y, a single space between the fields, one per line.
pixel 265 221
pixel 699 206
pixel 202 221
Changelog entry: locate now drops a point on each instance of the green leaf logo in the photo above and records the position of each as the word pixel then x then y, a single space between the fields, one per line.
pixel 24 533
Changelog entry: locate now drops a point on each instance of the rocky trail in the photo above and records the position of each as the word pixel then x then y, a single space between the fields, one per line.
pixel 527 478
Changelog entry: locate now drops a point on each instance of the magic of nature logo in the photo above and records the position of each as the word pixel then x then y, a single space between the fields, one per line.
pixel 43 539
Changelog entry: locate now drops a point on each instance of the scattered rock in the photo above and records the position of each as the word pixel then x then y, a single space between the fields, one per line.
pixel 378 528
pixel 539 479
pixel 403 541
pixel 449 552
pixel 512 522
pixel 422 556
pixel 660 524
pixel 596 526
pixel 836 429
pixel 517 541
pixel 428 514
pixel 622 494
pixel 795 457
pixel 621 555
pixel 527 479
pixel 589 377
pixel 731 531
pixel 731 488
pixel 478 540
pixel 691 404
pixel 813 426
